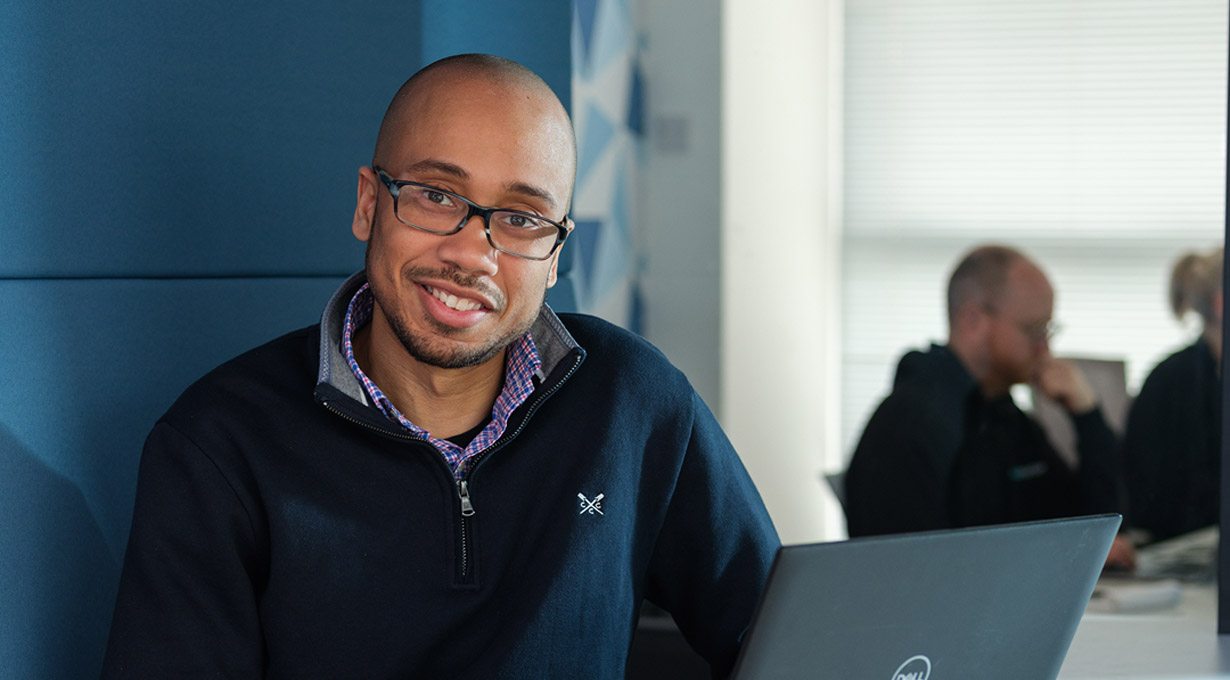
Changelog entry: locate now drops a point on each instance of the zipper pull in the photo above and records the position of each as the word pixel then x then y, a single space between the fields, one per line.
pixel 463 491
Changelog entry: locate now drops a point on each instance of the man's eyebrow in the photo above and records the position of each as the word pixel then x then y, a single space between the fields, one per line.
pixel 454 170
pixel 531 190
pixel 439 166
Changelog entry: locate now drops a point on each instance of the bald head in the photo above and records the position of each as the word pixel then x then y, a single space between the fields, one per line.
pixel 471 70
pixel 981 276
pixel 999 307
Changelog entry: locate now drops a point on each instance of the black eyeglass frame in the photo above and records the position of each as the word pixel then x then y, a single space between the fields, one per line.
pixel 394 186
pixel 1034 332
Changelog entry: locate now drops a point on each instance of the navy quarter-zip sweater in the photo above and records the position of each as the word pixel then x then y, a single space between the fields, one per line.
pixel 284 528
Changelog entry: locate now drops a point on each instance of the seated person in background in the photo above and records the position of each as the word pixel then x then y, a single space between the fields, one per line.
pixel 1172 445
pixel 443 478
pixel 949 447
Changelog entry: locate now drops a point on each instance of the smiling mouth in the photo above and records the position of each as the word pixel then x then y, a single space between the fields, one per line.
pixel 453 302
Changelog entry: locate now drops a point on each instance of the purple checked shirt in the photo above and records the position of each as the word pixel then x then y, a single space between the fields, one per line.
pixel 520 366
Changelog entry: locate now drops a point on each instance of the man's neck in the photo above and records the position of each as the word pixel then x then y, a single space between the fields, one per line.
pixel 443 401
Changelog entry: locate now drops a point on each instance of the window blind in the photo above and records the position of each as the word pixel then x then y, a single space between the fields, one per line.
pixel 1089 133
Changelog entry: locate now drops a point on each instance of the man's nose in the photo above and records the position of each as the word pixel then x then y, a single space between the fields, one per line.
pixel 469 249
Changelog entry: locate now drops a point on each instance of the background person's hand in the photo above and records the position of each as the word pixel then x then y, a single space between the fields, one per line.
pixel 1122 556
pixel 1065 383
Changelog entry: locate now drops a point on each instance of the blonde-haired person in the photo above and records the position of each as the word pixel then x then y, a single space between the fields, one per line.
pixel 1172 446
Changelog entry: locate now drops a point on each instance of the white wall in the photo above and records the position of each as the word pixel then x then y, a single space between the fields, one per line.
pixel 679 211
pixel 739 207
pixel 780 251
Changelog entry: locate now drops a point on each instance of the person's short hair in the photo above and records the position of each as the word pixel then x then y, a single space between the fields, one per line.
pixel 1194 283
pixel 980 276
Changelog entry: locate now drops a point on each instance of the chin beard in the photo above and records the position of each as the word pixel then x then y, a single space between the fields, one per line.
pixel 441 355
pixel 439 351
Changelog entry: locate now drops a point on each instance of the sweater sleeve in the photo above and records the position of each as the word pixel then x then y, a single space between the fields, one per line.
pixel 1101 471
pixel 898 478
pixel 1144 460
pixel 186 605
pixel 715 548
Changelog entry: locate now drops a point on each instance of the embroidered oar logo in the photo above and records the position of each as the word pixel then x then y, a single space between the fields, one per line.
pixel 591 506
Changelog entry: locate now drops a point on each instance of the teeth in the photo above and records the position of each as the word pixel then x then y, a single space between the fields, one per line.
pixel 453 302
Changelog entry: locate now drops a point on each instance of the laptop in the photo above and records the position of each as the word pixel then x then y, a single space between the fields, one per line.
pixel 988 602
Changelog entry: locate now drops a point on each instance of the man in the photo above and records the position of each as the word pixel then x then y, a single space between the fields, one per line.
pixel 949 447
pixel 443 478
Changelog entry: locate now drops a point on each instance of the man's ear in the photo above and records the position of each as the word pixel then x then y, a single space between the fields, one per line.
pixel 972 318
pixel 553 275
pixel 365 204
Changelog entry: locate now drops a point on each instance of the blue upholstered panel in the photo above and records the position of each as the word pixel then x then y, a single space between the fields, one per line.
pixel 88 367
pixel 157 139
pixel 532 32
pixel 147 142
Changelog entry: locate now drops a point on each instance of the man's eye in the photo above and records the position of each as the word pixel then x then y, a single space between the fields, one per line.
pixel 511 220
pixel 437 197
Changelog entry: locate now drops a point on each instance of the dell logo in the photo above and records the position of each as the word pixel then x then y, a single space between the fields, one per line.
pixel 914 668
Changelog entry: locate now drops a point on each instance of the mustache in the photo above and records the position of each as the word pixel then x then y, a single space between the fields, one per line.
pixel 460 279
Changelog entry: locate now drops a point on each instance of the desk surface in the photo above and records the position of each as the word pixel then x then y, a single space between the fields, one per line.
pixel 1179 643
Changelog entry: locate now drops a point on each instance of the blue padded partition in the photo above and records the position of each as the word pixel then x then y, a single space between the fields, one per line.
pixel 89 366
pixel 536 34
pixel 178 182
pixel 191 138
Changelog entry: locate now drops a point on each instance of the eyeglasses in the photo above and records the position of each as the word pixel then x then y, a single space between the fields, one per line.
pixel 1037 332
pixel 441 212
pixel 1034 332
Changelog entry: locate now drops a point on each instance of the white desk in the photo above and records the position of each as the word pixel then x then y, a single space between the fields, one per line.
pixel 1180 643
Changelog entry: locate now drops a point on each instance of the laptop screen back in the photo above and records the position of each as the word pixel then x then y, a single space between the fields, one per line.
pixel 990 602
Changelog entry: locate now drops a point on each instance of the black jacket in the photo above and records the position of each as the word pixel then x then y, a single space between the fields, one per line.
pixel 937 455
pixel 1172 446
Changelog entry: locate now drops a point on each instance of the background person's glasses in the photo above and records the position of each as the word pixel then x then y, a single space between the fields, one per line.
pixel 1037 332
pixel 1034 332
pixel 441 212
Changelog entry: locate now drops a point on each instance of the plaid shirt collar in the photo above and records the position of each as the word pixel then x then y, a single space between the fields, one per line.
pixel 522 363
